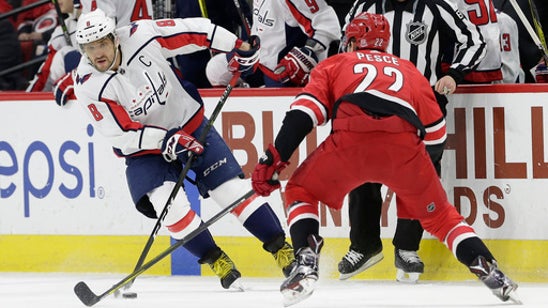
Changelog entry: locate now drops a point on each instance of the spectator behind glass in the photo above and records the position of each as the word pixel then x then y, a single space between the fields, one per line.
pixel 34 29
pixel 10 53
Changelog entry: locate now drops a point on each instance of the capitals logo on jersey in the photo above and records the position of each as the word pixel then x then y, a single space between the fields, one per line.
pixel 263 19
pixel 416 32
pixel 81 80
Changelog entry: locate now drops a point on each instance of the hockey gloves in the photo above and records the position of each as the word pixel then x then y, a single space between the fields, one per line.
pixel 296 66
pixel 177 142
pixel 64 89
pixel 245 61
pixel 541 72
pixel 265 176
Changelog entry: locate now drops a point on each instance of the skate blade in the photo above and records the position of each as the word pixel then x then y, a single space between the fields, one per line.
pixel 404 277
pixel 237 285
pixel 302 292
pixel 372 261
pixel 512 296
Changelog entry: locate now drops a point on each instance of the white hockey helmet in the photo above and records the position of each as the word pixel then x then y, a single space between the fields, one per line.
pixel 94 26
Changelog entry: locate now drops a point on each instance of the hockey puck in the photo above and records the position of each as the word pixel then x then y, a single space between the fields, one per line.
pixel 129 295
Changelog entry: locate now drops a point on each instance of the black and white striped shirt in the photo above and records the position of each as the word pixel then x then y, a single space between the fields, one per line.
pixel 423 29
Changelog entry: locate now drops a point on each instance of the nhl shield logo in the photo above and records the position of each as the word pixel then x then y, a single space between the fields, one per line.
pixel 416 32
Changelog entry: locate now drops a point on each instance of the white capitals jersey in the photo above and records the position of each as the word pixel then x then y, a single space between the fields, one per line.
pixel 509 47
pixel 482 14
pixel 135 105
pixel 271 19
pixel 123 11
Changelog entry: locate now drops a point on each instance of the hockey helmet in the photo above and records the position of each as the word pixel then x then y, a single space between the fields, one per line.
pixel 370 31
pixel 94 26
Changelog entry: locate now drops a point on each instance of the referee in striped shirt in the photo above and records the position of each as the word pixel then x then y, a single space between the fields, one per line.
pixel 421 31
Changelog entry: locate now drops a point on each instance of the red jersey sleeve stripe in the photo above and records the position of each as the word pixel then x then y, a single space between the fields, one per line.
pixel 301 19
pixel 436 134
pixel 184 38
pixel 311 106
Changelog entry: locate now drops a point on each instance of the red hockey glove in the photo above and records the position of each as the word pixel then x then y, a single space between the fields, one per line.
pixel 177 142
pixel 296 66
pixel 64 89
pixel 245 61
pixel 265 176
pixel 541 72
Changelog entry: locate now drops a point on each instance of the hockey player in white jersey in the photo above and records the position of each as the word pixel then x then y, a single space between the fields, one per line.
pixel 295 35
pixel 123 11
pixel 509 47
pixel 152 118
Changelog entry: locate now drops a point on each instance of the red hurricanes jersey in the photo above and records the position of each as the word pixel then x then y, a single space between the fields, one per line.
pixel 385 76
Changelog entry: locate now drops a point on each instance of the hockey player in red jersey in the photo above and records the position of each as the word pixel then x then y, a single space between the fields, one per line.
pixel 382 113
pixel 153 118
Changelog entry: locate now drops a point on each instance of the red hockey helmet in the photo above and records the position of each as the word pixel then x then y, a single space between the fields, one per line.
pixel 370 31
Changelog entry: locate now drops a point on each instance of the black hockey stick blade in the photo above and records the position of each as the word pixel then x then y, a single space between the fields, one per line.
pixel 85 294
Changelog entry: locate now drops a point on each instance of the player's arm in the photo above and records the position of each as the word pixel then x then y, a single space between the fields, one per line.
pixel 183 36
pixel 428 112
pixel 112 120
pixel 307 111
pixel 470 45
pixel 319 21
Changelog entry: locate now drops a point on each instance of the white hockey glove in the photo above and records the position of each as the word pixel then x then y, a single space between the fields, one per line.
pixel 245 61
pixel 296 66
pixel 177 142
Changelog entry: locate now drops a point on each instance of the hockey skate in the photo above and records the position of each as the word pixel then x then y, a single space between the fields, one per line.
pixel 300 283
pixel 224 268
pixel 355 262
pixel 494 279
pixel 283 254
pixel 409 266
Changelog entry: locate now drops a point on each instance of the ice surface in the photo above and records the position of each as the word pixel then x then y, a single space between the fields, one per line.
pixel 22 290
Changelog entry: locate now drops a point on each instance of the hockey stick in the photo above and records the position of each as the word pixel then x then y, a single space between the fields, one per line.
pixel 537 24
pixel 203 8
pixel 529 28
pixel 62 22
pixel 183 174
pixel 23 9
pixel 89 298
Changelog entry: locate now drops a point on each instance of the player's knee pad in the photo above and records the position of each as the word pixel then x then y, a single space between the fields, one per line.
pixel 299 204
pixel 180 219
pixel 231 191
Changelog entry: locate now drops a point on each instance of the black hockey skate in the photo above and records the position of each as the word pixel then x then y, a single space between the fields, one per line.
pixel 355 262
pixel 494 279
pixel 409 265
pixel 300 283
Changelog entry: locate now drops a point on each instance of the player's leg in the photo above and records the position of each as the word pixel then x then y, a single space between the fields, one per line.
pixel 409 233
pixel 364 212
pixel 406 244
pixel 424 197
pixel 257 216
pixel 220 176
pixel 151 181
